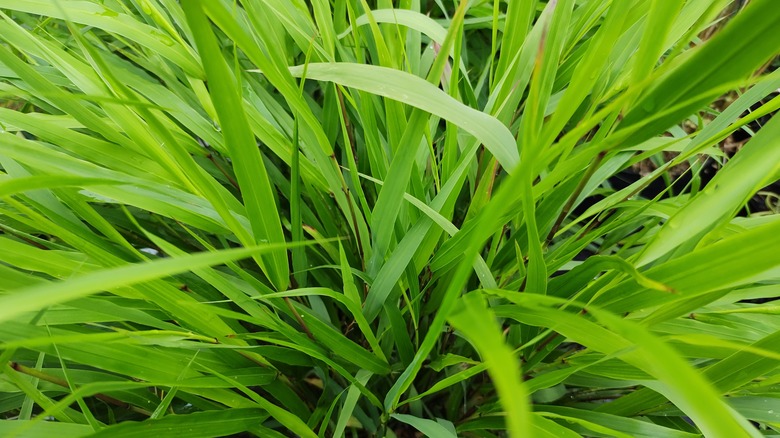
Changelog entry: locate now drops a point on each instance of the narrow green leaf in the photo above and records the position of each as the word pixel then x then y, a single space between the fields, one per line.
pixel 474 319
pixel 685 387
pixel 39 297
pixel 743 46
pixel 427 427
pixel 248 162
pixel 419 93
pixel 752 168
pixel 45 429
pixel 197 425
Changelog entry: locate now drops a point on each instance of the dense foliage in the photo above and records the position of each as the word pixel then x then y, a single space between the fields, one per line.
pixel 385 218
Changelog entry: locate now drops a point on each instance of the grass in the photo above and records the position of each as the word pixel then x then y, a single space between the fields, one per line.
pixel 384 219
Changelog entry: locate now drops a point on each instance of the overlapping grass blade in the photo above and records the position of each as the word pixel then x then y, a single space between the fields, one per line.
pixel 40 297
pixel 248 163
pixel 419 93
pixel 474 319
pixel 144 140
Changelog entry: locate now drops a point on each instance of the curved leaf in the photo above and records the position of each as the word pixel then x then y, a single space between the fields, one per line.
pixel 419 93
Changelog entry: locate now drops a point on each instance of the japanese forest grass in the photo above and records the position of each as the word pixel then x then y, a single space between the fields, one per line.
pixel 327 218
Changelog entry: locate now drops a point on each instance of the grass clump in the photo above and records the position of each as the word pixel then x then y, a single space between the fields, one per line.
pixel 328 218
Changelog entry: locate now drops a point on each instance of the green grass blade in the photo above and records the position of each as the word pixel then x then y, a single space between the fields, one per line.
pixel 419 93
pixel 474 319
pixel 425 426
pixel 732 55
pixel 40 297
pixel 752 168
pixel 251 173
pixel 198 424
